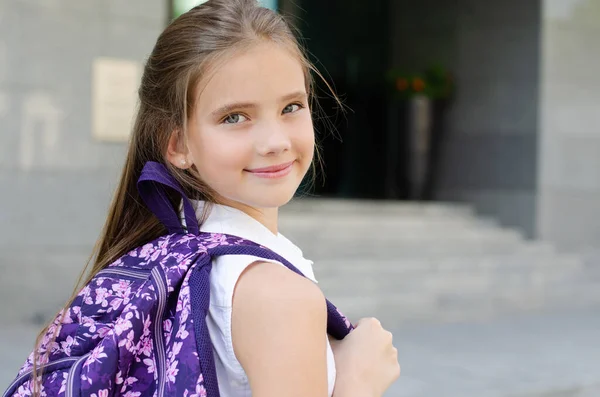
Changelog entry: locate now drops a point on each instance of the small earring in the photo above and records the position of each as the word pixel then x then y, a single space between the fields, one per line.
pixel 183 162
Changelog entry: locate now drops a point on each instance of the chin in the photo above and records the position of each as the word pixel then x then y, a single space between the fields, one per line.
pixel 268 198
pixel 273 200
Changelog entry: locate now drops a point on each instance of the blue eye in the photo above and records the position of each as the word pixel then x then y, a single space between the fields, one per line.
pixel 234 118
pixel 292 107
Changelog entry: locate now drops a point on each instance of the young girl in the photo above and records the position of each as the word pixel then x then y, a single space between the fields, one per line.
pixel 225 104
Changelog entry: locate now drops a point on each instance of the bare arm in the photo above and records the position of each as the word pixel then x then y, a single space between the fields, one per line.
pixel 278 324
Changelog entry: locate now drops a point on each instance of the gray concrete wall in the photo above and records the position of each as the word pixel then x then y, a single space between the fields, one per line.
pixel 569 163
pixel 55 179
pixel 490 145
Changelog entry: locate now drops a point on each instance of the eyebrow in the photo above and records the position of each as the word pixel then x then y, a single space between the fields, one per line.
pixel 249 105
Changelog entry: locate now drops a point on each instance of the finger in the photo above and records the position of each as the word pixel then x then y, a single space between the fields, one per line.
pixel 389 337
pixel 368 320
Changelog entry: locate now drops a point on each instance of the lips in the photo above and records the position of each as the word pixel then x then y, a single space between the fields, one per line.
pixel 271 169
pixel 273 172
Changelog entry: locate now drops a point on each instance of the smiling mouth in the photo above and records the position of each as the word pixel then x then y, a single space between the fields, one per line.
pixel 274 171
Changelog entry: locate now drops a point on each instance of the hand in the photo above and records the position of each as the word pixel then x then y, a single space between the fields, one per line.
pixel 366 361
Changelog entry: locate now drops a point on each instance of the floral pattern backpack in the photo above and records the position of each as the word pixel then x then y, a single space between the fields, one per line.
pixel 139 327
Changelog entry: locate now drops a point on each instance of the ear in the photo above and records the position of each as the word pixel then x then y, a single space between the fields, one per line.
pixel 177 152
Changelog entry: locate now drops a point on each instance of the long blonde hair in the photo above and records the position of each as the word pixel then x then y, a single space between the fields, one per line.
pixel 181 56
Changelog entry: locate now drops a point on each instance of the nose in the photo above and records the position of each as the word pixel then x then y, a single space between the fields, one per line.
pixel 272 139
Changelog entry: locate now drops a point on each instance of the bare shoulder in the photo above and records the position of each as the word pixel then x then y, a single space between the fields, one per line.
pixel 265 282
pixel 278 314
pixel 271 293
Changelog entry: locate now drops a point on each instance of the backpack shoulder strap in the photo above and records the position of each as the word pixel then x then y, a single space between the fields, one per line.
pixel 338 325
pixel 152 184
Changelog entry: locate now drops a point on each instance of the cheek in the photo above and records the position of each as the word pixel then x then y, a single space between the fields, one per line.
pixel 217 155
pixel 305 139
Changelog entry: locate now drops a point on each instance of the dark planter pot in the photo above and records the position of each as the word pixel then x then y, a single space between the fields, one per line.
pixel 415 141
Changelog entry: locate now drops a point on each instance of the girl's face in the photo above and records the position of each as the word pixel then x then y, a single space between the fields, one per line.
pixel 251 135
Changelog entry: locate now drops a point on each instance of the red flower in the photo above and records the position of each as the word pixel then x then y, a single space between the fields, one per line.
pixel 418 84
pixel 402 84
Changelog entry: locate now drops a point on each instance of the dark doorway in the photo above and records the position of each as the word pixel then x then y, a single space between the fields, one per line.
pixel 349 40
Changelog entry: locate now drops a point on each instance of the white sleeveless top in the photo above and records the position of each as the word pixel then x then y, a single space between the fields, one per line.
pixel 224 275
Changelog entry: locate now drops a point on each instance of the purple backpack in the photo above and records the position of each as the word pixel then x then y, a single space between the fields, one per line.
pixel 139 327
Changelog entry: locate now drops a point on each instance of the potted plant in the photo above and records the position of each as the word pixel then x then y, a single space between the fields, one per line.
pixel 435 83
pixel 420 100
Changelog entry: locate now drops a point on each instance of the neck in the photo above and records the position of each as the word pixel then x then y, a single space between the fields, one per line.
pixel 268 217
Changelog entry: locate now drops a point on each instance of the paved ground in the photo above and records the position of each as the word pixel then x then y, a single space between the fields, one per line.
pixel 543 355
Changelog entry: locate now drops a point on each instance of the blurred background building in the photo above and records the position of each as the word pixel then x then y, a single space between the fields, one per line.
pixel 470 151
pixel 518 138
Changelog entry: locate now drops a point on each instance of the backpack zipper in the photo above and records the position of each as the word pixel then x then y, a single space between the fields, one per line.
pixel 133 273
pixel 75 369
pixel 17 382
pixel 158 326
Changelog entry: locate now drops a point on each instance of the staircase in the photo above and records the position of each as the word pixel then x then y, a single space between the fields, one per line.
pixel 402 262
pixel 406 262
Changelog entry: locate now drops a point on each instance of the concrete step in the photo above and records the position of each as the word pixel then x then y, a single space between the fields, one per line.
pixel 409 267
pixel 522 250
pixel 478 280
pixel 345 225
pixel 374 234
pixel 309 220
pixel 358 207
pixel 326 249
pixel 398 308
pixel 395 232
